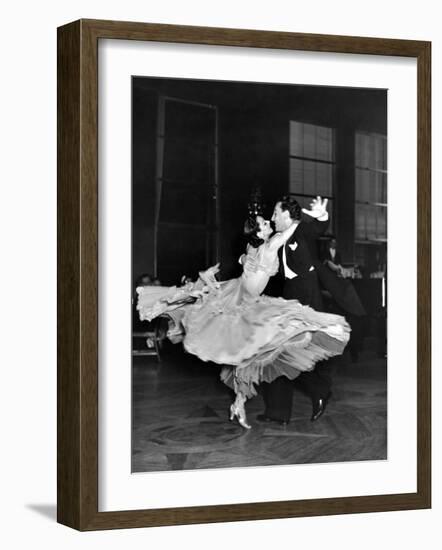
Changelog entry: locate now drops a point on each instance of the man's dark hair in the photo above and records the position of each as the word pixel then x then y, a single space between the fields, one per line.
pixel 251 230
pixel 292 205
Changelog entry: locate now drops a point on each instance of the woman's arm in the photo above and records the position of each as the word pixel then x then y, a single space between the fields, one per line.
pixel 251 262
pixel 281 238
pixel 242 258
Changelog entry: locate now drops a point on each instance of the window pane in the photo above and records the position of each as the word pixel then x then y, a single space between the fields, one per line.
pixel 324 179
pixel 324 150
pixel 378 159
pixel 383 188
pixel 362 185
pixel 379 186
pixel 311 178
pixel 362 150
pixel 371 212
pixel 373 187
pixel 308 140
pixel 296 139
pixel 382 222
pixel 309 169
pixel 370 186
pixel 371 151
pixel 360 222
pixel 296 183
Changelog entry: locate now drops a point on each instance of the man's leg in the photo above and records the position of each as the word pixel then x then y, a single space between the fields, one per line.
pixel 278 397
pixel 316 383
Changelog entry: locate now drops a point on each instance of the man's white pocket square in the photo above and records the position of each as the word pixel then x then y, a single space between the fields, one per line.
pixel 293 246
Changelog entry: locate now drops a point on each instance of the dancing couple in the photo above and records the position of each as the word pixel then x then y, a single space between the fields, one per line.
pixel 257 338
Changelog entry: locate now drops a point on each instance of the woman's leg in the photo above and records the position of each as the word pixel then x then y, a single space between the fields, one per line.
pixel 237 409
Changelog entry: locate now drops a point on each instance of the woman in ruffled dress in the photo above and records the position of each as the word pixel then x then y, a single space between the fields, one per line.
pixel 256 338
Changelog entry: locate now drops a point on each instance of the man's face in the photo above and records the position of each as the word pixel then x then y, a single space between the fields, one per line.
pixel 281 218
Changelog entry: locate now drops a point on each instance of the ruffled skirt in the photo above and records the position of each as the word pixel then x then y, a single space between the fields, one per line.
pixel 255 338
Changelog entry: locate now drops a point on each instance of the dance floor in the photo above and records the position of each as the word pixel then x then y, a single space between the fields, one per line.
pixel 180 418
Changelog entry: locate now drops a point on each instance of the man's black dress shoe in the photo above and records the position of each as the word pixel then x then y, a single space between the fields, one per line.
pixel 265 418
pixel 319 406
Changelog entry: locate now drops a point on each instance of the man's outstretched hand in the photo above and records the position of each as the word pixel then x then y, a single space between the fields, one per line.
pixel 318 208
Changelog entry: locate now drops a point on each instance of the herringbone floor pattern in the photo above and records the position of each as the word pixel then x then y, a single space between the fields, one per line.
pixel 180 419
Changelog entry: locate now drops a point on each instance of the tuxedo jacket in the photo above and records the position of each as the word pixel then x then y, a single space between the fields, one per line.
pixel 300 250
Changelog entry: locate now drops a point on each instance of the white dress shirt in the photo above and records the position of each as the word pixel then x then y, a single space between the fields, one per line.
pixel 288 273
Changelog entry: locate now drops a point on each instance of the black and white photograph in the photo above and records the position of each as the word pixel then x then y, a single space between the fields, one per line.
pixel 259 254
pixel 221 268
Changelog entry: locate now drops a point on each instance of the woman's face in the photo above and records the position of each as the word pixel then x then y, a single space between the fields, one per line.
pixel 265 229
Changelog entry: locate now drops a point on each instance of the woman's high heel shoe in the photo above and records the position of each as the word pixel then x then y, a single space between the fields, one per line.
pixel 240 414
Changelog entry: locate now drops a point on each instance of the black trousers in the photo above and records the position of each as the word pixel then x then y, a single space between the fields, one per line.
pixel 278 395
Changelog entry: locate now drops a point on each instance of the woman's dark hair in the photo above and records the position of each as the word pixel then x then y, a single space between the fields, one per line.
pixel 293 207
pixel 251 230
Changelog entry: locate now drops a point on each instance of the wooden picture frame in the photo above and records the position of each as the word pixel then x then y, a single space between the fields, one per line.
pixel 78 274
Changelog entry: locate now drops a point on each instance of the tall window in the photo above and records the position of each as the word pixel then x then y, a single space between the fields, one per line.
pixel 312 163
pixel 370 198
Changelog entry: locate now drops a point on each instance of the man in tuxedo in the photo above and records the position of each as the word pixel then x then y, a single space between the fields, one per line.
pixel 297 259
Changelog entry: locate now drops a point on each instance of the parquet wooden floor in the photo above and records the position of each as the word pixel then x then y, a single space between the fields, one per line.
pixel 180 418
